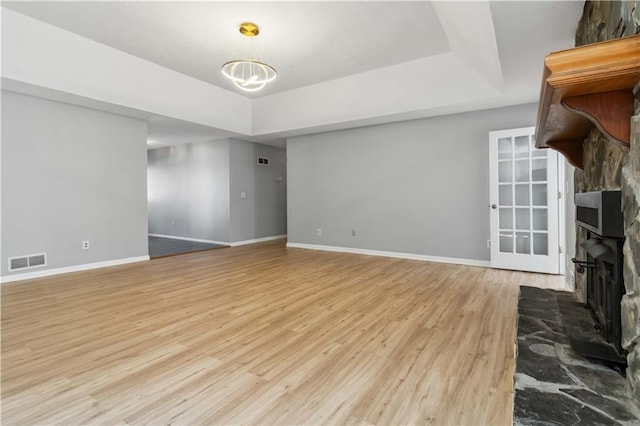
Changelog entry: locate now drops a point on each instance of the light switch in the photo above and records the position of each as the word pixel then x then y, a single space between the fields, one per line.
pixel 243 195
pixel 278 179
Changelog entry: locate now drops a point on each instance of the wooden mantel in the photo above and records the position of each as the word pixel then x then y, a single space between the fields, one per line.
pixel 584 87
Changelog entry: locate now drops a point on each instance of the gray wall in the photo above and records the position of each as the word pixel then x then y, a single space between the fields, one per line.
pixel 189 190
pixel 263 212
pixel 419 187
pixel 71 174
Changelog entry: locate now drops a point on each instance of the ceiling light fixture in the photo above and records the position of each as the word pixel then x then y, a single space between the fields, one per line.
pixel 250 74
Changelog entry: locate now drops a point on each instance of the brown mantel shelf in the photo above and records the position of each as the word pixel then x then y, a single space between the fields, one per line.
pixel 584 87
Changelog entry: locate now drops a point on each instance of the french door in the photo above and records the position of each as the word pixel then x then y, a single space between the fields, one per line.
pixel 524 203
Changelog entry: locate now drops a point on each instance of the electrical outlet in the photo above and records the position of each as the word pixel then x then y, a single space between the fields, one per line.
pixel 85 245
pixel 243 195
pixel 318 232
pixel 353 232
pixel 489 243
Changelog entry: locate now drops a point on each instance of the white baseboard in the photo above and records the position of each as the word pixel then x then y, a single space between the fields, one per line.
pixel 257 240
pixel 454 260
pixel 67 269
pixel 197 240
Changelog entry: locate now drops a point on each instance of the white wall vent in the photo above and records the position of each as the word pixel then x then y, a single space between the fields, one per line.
pixel 27 262
pixel 263 160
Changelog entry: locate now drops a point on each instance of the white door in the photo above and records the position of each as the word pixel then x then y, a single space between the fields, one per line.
pixel 524 203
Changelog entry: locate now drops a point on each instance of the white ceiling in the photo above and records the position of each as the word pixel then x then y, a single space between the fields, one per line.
pixel 307 42
pixel 340 64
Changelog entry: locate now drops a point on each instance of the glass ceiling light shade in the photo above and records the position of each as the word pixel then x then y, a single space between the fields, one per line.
pixel 250 74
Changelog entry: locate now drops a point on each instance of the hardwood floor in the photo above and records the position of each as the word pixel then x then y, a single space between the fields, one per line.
pixel 262 334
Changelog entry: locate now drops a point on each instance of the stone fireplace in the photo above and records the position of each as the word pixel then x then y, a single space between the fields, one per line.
pixel 612 166
pixel 570 359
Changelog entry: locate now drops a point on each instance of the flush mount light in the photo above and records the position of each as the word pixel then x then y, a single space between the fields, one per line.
pixel 250 74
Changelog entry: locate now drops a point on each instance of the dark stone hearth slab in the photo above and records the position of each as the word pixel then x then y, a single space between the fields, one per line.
pixel 541 306
pixel 580 328
pixel 537 294
pixel 528 325
pixel 538 360
pixel 533 407
pixel 555 326
pixel 534 328
pixel 550 336
pixel 533 324
pixel 535 302
pixel 554 385
pixel 542 314
pixel 600 380
pixel 614 409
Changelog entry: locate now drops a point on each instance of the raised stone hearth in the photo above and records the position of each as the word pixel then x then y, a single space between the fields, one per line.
pixel 553 385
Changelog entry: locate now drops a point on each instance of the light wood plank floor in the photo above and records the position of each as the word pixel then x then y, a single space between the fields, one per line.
pixel 262 335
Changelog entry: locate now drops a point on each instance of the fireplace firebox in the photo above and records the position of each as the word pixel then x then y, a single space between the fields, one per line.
pixel 600 214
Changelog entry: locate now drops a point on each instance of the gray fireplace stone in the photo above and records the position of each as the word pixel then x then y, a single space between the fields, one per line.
pixel 633 372
pixel 630 323
pixel 631 277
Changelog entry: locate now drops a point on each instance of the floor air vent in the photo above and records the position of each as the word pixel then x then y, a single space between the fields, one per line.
pixel 27 262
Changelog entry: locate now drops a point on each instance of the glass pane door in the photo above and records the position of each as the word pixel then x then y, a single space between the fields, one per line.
pixel 522 196
pixel 522 200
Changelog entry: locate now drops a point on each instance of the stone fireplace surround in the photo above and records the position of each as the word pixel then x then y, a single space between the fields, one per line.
pixel 611 166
